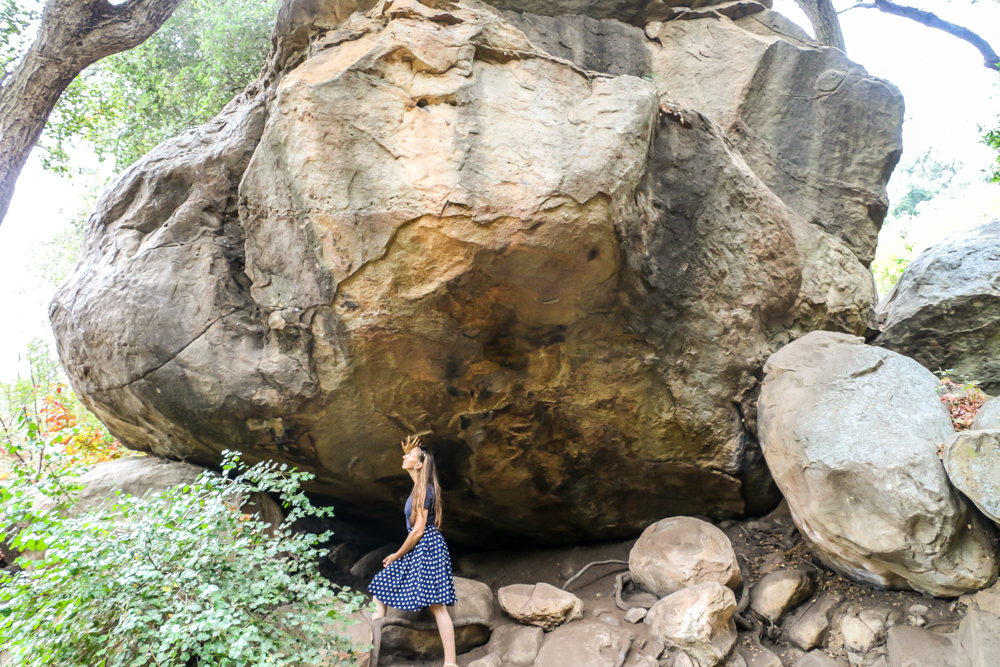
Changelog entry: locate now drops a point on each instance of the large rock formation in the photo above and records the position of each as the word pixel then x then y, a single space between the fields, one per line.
pixel 420 220
pixel 851 433
pixel 945 310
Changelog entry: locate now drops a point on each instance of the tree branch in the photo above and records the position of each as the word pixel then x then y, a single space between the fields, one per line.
pixel 931 20
pixel 826 25
pixel 73 35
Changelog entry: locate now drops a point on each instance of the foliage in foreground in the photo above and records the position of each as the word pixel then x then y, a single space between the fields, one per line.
pixel 177 579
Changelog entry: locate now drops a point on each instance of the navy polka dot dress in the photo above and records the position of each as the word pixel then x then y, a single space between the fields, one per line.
pixel 423 576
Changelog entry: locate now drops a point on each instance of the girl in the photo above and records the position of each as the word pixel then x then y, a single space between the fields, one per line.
pixel 419 574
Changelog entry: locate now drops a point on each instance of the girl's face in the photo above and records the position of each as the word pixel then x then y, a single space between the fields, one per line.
pixel 412 460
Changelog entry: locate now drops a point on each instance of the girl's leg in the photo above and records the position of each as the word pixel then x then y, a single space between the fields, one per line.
pixel 447 630
pixel 379 610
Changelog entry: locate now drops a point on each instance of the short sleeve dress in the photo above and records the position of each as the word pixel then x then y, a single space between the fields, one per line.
pixel 423 576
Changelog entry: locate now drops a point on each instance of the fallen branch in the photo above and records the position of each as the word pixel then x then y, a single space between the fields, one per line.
pixel 590 565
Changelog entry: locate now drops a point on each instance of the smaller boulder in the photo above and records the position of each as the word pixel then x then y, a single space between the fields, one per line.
pixel 972 461
pixel 778 592
pixel 810 630
pixel 590 643
pixel 759 657
pixel 635 614
pixel 979 638
pixel 697 620
pixel 417 636
pixel 859 637
pixel 680 552
pixel 543 605
pixel 517 645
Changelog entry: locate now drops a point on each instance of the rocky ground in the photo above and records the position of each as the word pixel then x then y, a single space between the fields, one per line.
pixel 767 545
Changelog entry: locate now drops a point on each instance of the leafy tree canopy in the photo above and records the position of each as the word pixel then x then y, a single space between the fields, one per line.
pixel 126 104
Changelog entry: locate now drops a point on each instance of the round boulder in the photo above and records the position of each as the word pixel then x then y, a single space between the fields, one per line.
pixel 851 434
pixel 682 551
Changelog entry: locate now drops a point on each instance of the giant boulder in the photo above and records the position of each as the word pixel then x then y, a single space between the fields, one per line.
pixel 851 433
pixel 419 221
pixel 945 310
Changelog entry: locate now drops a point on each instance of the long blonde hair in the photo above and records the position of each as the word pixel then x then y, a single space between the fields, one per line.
pixel 426 476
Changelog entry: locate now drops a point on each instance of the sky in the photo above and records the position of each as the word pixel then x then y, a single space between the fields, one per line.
pixel 949 96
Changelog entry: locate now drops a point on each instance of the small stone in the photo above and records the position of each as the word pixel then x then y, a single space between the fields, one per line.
pixel 858 636
pixel 759 657
pixel 776 593
pixel 543 605
pixel 919 609
pixel 682 659
pixel 811 628
pixel 635 614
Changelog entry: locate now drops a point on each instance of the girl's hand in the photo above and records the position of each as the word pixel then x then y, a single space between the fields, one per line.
pixel 389 559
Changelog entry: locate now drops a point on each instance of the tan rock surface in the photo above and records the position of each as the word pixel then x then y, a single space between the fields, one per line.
pixel 680 552
pixel 590 643
pixel 420 221
pixel 697 620
pixel 540 604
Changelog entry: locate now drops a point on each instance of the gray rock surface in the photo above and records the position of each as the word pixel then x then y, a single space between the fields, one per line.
pixel 945 310
pixel 988 416
pixel 589 643
pixel 978 637
pixel 489 660
pixel 972 461
pixel 679 552
pixel 472 616
pixel 811 628
pixel 516 645
pixel 638 12
pixel 697 620
pixel 558 282
pixel 779 592
pixel 916 647
pixel 818 659
pixel 850 433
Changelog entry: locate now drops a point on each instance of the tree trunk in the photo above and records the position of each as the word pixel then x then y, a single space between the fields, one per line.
pixel 73 35
pixel 825 23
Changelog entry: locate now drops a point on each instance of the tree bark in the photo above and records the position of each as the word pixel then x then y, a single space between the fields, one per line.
pixel 990 57
pixel 73 35
pixel 825 23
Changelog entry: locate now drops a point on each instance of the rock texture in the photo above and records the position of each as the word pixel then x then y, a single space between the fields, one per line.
pixel 419 638
pixel 778 592
pixel 697 620
pixel 988 416
pixel 542 604
pixel 945 310
pixel 811 629
pixel 516 645
pixel 420 220
pixel 972 461
pixel 851 434
pixel 680 552
pixel 590 643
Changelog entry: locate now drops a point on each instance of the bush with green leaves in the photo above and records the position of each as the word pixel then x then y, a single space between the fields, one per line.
pixel 177 579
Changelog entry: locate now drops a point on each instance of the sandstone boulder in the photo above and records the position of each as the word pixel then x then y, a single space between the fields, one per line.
pixel 697 620
pixel 419 221
pixel 972 461
pixel 778 592
pixel 542 604
pixel 590 643
pixel 418 638
pixel 945 310
pixel 680 552
pixel 916 647
pixel 850 433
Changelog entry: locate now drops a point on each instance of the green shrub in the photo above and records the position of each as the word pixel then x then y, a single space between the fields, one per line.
pixel 177 579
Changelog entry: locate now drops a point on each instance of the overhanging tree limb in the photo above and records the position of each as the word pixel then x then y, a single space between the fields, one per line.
pixel 931 20
pixel 73 35
pixel 826 25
